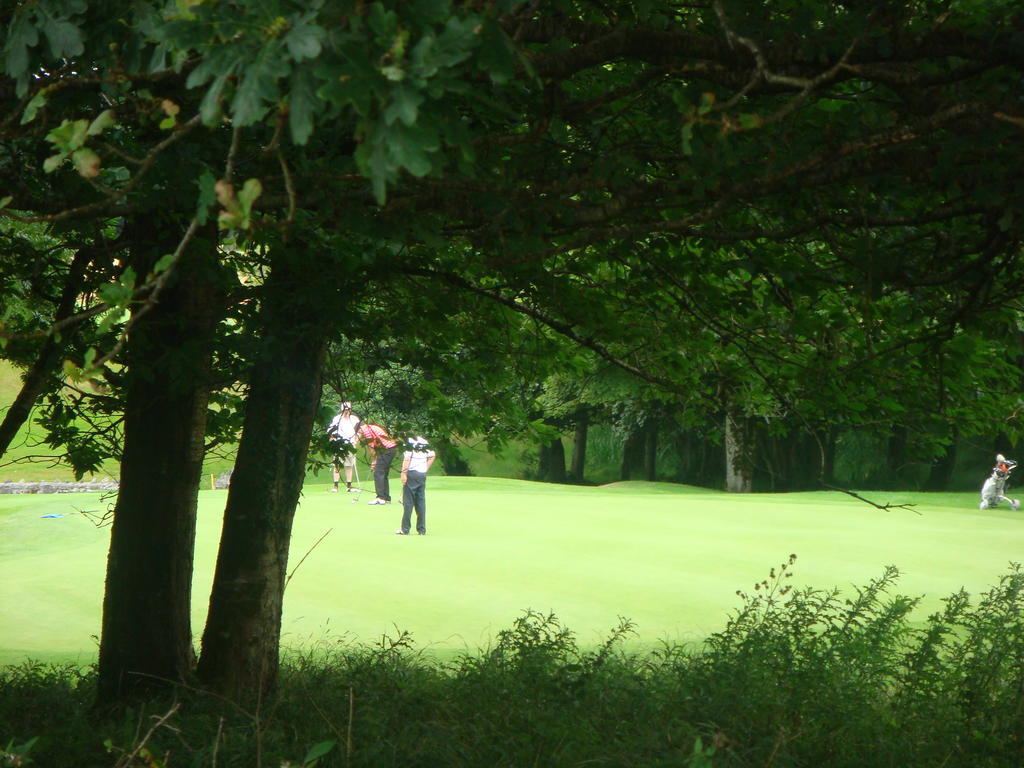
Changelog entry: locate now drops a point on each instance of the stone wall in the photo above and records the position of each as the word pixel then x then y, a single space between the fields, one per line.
pixel 49 486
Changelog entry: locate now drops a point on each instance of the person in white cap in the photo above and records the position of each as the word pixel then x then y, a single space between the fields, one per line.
pixel 416 462
pixel 342 430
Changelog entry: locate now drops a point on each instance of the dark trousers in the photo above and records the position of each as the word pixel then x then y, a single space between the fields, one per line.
pixel 380 474
pixel 414 496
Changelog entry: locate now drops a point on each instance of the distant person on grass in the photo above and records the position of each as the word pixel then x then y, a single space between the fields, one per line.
pixel 416 463
pixel 382 453
pixel 342 431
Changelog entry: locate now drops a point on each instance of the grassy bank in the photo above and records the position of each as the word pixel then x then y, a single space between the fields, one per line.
pixel 797 677
pixel 455 649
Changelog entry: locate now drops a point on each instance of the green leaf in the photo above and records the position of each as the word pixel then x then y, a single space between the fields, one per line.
pixel 384 23
pixel 258 88
pixel 304 41
pixel 372 161
pixel 112 293
pixel 750 121
pixel 707 101
pixel 302 104
pixel 251 190
pixel 184 8
pixel 210 107
pixel 411 147
pixel 21 36
pixel 413 159
pixel 207 196
pixel 350 81
pixel 158 61
pixel 163 263
pixel 421 57
pixel 73 372
pixel 69 135
pixel 210 68
pixel 430 11
pixel 103 120
pixel 5 201
pixel 459 37
pixel 318 750
pixel 496 54
pixel 53 162
pixel 686 137
pixel 64 37
pixel 35 104
pixel 128 279
pixel 117 173
pixel 404 105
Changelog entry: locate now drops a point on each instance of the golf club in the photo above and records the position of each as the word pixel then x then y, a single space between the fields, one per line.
pixel 359 488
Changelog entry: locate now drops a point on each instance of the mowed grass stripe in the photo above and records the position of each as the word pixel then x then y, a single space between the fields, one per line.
pixel 668 557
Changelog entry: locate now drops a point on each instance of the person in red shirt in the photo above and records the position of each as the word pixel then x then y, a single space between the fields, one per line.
pixel 382 453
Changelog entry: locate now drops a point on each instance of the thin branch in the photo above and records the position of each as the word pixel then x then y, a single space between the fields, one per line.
pixel 229 167
pixel 117 195
pixel 1012 119
pixel 156 288
pixel 848 492
pixel 762 72
pixel 562 328
pixel 289 187
pixel 308 553
pixel 128 759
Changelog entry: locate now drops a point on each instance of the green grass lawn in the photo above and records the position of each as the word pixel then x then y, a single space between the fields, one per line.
pixel 668 557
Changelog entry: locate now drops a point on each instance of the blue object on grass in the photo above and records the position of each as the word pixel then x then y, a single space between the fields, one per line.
pixel 51 515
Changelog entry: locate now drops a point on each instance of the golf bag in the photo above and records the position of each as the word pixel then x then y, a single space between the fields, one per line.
pixel 994 489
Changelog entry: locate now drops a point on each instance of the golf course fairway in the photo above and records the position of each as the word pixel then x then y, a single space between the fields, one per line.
pixel 668 557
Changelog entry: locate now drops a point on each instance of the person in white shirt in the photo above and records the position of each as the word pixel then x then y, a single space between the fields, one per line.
pixel 416 462
pixel 342 431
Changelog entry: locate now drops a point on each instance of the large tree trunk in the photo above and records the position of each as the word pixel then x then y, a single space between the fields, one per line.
pixel 896 456
pixel 738 458
pixel 579 446
pixel 651 450
pixel 800 464
pixel 47 362
pixel 696 463
pixel 828 469
pixel 556 461
pixel 942 467
pixel 632 454
pixel 452 460
pixel 241 640
pixel 146 638
pixel 551 461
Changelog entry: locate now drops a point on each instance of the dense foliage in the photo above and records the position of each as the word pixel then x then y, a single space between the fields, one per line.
pixel 788 220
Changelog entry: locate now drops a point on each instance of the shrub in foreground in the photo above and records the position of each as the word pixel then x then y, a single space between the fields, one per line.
pixel 800 677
